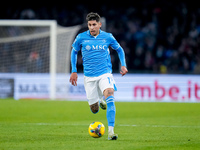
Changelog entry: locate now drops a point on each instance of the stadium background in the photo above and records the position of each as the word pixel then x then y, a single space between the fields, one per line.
pixel 157 36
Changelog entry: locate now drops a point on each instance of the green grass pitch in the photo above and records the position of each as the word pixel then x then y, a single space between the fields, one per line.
pixel 34 124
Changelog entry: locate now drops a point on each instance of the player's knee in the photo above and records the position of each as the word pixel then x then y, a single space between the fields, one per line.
pixel 108 92
pixel 94 108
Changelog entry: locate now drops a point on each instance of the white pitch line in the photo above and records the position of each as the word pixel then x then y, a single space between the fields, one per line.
pixel 159 126
pixel 121 125
pixel 56 124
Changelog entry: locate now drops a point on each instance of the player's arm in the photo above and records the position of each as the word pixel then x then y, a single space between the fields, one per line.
pixel 116 46
pixel 121 55
pixel 76 47
pixel 74 76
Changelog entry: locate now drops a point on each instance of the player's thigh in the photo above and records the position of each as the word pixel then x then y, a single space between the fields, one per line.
pixel 91 91
pixel 107 83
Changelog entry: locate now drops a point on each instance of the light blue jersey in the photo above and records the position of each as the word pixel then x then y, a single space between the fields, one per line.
pixel 95 53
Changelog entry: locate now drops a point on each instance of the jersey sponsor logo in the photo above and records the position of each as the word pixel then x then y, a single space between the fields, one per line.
pixel 99 47
pixel 96 47
pixel 88 47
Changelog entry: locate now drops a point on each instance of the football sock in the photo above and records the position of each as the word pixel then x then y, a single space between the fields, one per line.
pixel 110 111
pixel 111 129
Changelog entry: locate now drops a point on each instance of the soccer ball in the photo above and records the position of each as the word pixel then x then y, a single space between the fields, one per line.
pixel 96 129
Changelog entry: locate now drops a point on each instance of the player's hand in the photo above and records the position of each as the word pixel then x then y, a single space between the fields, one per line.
pixel 123 70
pixel 73 79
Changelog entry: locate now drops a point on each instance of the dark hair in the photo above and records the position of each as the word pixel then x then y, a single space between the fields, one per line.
pixel 93 16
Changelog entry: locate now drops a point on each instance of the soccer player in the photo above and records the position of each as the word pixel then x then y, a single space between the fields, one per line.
pixel 98 79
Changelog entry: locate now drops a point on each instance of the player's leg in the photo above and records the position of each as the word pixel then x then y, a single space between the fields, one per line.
pixel 92 94
pixel 107 85
pixel 102 102
pixel 111 111
pixel 109 96
pixel 94 107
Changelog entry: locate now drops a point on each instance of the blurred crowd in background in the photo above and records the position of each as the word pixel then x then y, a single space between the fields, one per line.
pixel 157 36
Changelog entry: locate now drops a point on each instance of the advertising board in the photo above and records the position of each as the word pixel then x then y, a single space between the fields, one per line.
pixel 6 87
pixel 131 87
pixel 159 88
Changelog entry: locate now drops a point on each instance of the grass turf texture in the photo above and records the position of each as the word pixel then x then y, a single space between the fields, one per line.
pixel 33 124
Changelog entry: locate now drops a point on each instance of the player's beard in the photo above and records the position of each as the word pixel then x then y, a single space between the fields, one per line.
pixel 94 33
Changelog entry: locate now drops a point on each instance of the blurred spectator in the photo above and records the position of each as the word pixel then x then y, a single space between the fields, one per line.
pixel 27 14
pixel 34 63
pixel 197 65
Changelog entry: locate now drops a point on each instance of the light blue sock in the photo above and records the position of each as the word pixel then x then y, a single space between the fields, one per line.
pixel 110 111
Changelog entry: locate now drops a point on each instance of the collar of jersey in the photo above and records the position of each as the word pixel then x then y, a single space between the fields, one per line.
pixel 88 32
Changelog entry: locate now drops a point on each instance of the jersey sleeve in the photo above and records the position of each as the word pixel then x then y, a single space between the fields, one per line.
pixel 76 47
pixel 74 60
pixel 77 43
pixel 116 46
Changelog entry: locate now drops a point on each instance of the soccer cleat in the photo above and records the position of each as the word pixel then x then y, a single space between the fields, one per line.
pixel 112 136
pixel 103 104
